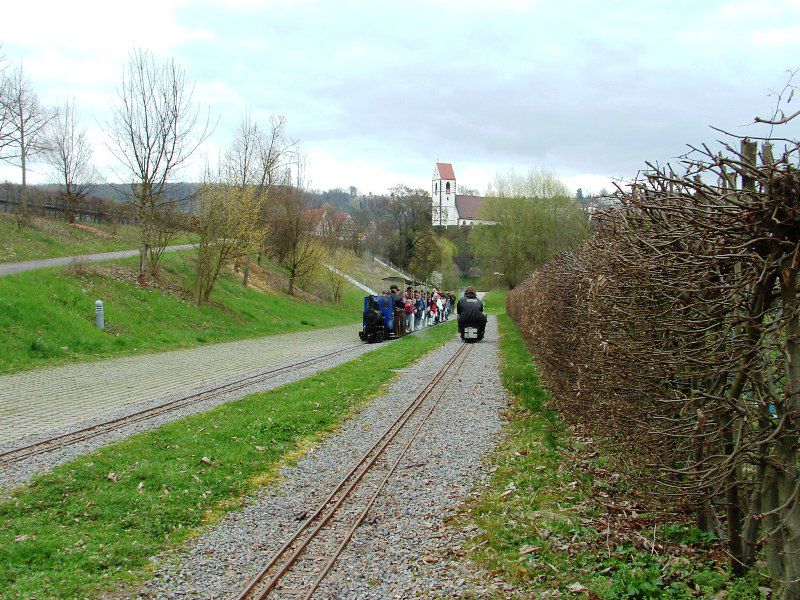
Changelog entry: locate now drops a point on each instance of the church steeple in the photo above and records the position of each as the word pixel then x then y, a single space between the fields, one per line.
pixel 443 195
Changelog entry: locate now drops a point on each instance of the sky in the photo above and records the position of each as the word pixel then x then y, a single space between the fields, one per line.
pixel 377 92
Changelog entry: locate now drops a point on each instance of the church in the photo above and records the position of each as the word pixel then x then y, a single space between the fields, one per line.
pixel 449 207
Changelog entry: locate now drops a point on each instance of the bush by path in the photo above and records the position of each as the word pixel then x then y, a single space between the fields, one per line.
pixel 559 516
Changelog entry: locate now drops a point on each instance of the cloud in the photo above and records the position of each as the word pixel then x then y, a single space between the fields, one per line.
pixel 379 90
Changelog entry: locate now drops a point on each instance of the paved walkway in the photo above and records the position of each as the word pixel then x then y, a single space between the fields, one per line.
pixel 63 261
pixel 52 399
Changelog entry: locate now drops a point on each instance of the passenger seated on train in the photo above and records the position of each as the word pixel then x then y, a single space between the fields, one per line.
pixel 470 312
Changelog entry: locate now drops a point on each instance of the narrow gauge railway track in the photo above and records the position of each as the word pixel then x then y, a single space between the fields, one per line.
pixel 294 570
pixel 66 440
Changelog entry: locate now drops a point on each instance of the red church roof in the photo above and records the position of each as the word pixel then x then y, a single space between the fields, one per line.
pixel 468 206
pixel 445 170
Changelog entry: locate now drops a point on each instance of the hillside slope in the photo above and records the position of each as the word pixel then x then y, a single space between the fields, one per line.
pixel 48 238
pixel 47 316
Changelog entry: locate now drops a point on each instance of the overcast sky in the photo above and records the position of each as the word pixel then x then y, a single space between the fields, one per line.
pixel 376 92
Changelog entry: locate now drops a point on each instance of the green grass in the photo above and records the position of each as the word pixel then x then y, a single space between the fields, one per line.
pixel 47 238
pixel 370 273
pixel 80 529
pixel 494 302
pixel 464 281
pixel 543 521
pixel 47 316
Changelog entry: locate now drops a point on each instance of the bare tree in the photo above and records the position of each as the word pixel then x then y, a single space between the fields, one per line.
pixel 243 167
pixel 340 262
pixel 25 121
pixel 276 153
pixel 226 215
pixel 70 155
pixel 255 161
pixel 5 112
pixel 292 239
pixel 155 129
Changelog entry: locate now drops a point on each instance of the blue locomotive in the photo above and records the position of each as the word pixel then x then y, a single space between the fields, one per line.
pixel 378 319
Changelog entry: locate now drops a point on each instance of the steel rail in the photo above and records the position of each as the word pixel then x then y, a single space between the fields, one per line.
pixel 65 440
pixel 342 491
pixel 363 515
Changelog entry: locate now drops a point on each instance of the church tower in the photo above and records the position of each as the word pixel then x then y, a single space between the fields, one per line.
pixel 443 195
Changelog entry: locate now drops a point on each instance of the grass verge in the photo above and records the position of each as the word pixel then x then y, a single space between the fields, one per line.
pixel 494 302
pixel 47 238
pixel 93 523
pixel 559 519
pixel 47 316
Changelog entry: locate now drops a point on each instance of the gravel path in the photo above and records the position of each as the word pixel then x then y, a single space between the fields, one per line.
pixel 63 261
pixel 405 549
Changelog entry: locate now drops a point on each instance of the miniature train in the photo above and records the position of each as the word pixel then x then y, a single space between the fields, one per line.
pixel 384 317
pixel 383 320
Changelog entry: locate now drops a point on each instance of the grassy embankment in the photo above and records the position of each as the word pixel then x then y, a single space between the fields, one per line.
pixel 559 515
pixel 93 523
pixel 370 274
pixel 494 302
pixel 47 316
pixel 47 238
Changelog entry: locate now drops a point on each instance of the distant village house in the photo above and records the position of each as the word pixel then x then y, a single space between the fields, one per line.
pixel 330 224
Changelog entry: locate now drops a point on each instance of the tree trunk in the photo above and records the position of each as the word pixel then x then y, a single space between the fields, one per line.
pixel 246 271
pixel 142 246
pixel 23 199
pixel 788 475
pixel 773 531
pixel 734 511
pixel 70 198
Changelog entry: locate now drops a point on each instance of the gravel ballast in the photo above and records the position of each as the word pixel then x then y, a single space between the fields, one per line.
pixel 405 549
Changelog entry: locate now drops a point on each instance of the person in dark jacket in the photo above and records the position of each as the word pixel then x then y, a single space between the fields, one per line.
pixel 470 312
pixel 373 322
pixel 399 311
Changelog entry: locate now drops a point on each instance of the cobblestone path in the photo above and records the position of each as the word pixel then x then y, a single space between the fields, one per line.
pixel 36 403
